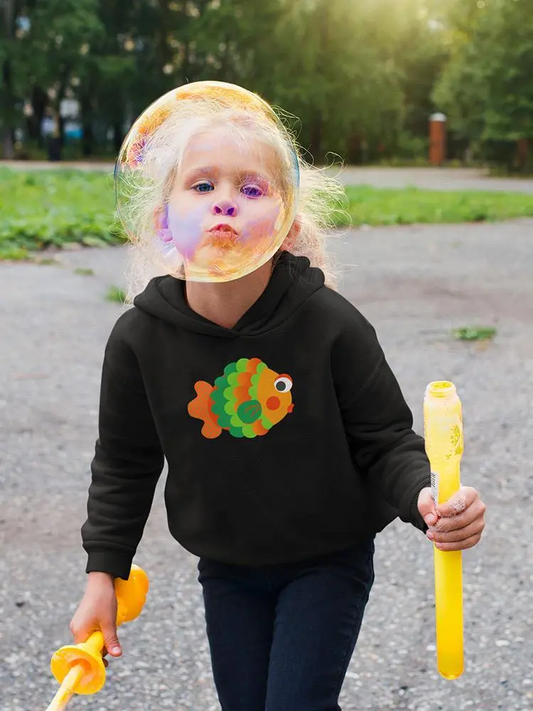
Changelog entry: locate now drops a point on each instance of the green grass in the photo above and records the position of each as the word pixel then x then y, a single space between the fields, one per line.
pixel 84 272
pixel 114 293
pixel 376 206
pixel 46 261
pixel 474 333
pixel 40 209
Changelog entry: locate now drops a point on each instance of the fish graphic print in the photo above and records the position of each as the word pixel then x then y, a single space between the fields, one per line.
pixel 246 401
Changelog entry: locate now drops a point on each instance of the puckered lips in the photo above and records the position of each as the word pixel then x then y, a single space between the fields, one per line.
pixel 223 235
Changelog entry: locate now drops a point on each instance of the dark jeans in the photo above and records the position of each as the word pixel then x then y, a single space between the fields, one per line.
pixel 281 637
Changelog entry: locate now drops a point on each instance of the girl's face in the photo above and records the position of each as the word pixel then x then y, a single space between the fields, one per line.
pixel 223 207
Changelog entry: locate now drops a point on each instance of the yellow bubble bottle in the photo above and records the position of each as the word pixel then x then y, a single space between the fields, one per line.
pixel 443 431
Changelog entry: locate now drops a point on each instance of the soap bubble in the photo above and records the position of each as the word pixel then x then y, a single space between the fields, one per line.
pixel 207 181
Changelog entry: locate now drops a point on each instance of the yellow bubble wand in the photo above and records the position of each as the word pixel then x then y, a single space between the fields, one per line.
pixel 79 668
pixel 443 431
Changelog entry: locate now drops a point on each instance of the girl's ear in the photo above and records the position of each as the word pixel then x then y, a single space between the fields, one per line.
pixel 161 223
pixel 291 238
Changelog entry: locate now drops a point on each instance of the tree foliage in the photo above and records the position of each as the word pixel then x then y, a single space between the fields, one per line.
pixel 359 75
pixel 487 86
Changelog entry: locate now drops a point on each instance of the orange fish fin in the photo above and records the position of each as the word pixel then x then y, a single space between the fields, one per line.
pixel 200 409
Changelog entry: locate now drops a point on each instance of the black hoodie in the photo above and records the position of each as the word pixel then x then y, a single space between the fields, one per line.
pixel 286 436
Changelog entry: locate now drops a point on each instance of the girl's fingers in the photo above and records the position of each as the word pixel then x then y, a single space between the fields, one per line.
pixel 459 502
pixel 80 634
pixel 462 534
pixel 461 545
pixel 451 523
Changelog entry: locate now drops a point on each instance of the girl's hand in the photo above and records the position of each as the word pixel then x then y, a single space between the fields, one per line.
pixel 456 524
pixel 98 611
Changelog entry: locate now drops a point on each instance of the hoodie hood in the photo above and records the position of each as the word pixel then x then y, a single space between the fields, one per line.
pixel 292 282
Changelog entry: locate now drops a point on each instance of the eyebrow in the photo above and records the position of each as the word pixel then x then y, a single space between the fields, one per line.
pixel 213 171
pixel 191 175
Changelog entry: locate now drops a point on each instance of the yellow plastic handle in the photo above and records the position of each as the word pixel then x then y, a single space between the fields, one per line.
pixel 87 654
pixel 95 643
pixel 131 596
pixel 449 613
pixel 67 689
pixel 443 430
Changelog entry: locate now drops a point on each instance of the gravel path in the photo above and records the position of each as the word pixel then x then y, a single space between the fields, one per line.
pixel 415 284
pixel 433 179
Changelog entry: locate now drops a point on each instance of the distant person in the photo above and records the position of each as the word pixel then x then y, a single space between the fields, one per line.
pixel 53 145
pixel 289 443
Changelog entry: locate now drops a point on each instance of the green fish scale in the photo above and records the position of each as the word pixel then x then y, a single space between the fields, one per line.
pixel 224 402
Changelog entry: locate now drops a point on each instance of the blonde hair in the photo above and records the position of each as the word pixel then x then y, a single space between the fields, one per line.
pixel 142 194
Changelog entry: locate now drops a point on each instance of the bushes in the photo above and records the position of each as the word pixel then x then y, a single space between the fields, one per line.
pixel 42 209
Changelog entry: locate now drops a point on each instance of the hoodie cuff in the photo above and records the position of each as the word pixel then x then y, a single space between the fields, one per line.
pixel 116 563
pixel 415 515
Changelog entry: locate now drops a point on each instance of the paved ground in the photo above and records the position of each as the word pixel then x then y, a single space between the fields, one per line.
pixel 433 179
pixel 430 178
pixel 415 284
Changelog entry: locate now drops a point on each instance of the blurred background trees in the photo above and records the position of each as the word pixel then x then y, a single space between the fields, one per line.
pixel 362 77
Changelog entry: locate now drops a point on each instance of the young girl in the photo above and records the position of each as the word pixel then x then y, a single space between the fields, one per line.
pixel 288 441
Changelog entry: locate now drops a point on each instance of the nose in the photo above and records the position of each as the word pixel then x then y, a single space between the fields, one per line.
pixel 224 207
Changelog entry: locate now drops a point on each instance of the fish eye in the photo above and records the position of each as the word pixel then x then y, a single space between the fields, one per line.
pixel 283 384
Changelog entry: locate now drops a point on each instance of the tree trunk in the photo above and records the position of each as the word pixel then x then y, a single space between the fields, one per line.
pixel 39 102
pixel 118 135
pixel 7 87
pixel 87 140
pixel 522 150
pixel 8 150
pixel 54 144
pixel 354 150
pixel 316 138
pixel 163 48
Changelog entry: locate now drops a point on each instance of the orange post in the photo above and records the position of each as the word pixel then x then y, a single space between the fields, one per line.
pixel 437 139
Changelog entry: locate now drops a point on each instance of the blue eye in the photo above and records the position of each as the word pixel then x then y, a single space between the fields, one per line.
pixel 203 187
pixel 252 191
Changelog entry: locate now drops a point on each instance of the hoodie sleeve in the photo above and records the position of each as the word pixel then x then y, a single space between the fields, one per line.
pixel 127 463
pixel 378 421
